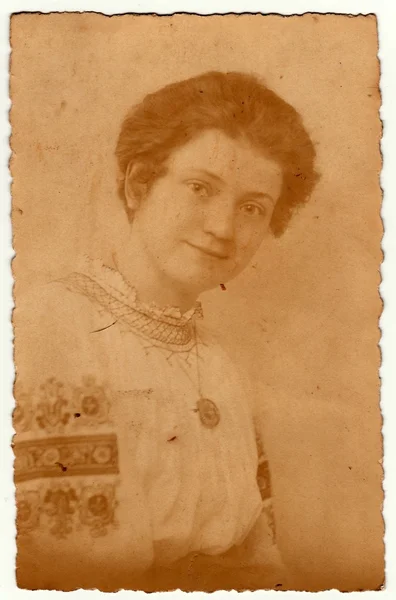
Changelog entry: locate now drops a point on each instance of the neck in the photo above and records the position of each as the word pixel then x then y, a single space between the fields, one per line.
pixel 152 285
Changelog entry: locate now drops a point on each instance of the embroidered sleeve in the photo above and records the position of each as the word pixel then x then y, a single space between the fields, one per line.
pixel 81 510
pixel 66 465
pixel 248 392
pixel 264 484
pixel 66 459
pixel 260 549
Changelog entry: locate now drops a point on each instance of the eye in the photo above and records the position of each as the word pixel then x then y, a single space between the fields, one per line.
pixel 253 210
pixel 199 188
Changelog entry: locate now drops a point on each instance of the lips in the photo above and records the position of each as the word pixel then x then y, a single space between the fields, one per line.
pixel 211 252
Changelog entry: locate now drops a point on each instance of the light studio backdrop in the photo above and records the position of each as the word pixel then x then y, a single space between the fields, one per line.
pixel 303 318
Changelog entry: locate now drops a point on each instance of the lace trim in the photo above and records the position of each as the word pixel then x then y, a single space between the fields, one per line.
pixel 107 287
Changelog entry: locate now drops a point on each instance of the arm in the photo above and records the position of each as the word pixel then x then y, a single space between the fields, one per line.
pixel 74 527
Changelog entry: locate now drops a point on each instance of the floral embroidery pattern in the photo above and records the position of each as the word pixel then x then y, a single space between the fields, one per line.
pixel 66 456
pixel 53 408
pixel 263 471
pixel 22 416
pixel 264 485
pixel 60 506
pixel 97 508
pixel 28 507
pixel 90 401
pixel 269 512
pixel 57 417
pixel 65 508
pixel 264 479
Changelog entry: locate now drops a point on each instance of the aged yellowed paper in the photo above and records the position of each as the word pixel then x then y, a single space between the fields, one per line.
pixel 196 220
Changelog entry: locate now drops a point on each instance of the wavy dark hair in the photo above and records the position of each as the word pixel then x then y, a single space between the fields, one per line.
pixel 237 104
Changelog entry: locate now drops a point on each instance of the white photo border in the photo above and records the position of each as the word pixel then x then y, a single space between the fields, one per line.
pixel 385 10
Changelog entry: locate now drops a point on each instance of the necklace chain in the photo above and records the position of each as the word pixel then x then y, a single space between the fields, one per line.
pixel 198 358
pixel 167 331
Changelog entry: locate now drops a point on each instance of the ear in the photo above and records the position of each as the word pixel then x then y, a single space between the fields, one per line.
pixel 134 187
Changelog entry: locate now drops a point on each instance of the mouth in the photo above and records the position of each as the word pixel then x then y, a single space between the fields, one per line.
pixel 211 252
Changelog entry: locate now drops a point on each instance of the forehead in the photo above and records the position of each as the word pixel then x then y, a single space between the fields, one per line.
pixel 234 160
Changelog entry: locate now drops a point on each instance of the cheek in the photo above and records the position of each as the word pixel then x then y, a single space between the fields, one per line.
pixel 175 206
pixel 161 217
pixel 248 241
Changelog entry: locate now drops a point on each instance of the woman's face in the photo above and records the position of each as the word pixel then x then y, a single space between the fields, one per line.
pixel 202 222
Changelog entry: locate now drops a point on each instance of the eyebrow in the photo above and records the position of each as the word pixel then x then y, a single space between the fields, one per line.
pixel 220 180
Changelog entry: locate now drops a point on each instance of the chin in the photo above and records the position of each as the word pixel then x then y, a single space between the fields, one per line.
pixel 196 281
pixel 212 284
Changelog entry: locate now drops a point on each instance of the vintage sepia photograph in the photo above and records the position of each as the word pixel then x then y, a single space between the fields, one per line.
pixel 196 224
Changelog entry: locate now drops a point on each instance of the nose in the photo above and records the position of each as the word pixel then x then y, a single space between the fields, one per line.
pixel 220 219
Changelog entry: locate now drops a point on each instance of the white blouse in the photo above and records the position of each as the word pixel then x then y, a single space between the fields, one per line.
pixel 118 459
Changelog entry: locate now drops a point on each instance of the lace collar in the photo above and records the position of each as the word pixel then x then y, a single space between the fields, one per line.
pixel 107 287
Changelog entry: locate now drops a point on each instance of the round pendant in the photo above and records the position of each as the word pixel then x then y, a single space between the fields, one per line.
pixel 208 413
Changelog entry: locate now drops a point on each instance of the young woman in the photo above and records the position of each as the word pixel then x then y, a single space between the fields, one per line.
pixel 139 456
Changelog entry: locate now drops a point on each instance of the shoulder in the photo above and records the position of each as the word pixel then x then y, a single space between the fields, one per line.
pixel 52 328
pixel 55 313
pixel 55 305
